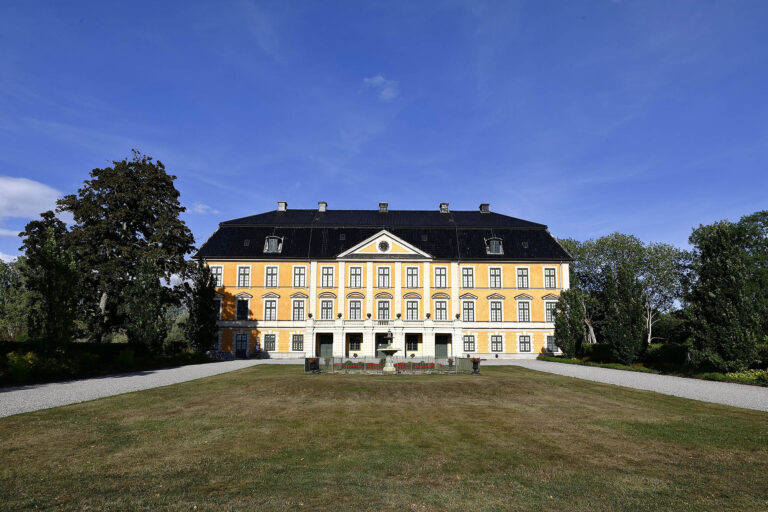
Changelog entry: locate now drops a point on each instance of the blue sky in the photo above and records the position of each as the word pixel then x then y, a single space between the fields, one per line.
pixel 592 117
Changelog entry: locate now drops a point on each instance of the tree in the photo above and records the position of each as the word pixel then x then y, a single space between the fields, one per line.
pixel 13 311
pixel 724 306
pixel 124 215
pixel 200 297
pixel 661 276
pixel 51 279
pixel 570 332
pixel 144 304
pixel 624 324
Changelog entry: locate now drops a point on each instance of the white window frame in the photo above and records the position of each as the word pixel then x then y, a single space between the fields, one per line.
pixel 264 307
pixel 501 311
pixel 501 277
pixel 303 276
pixel 360 282
pixel 408 283
pixel 444 277
pixel 408 310
pixel 323 283
pixel 530 343
pixel 378 309
pixel 490 343
pixel 488 246
pixel 474 310
pixel 218 277
pixel 266 276
pixel 544 277
pixel 519 303
pixel 274 349
pixel 546 342
pixel 359 309
pixel 247 343
pixel 527 278
pixel 248 300
pixel 323 309
pixel 248 285
pixel 279 244
pixel 379 276
pixel 445 309
pixel 293 341
pixel 359 338
pixel 464 340
pixel 472 274
pixel 547 312
pixel 303 309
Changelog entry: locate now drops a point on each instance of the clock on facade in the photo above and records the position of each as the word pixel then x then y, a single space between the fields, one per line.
pixel 383 246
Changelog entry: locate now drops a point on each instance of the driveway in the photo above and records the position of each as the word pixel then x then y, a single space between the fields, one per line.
pixel 726 393
pixel 15 400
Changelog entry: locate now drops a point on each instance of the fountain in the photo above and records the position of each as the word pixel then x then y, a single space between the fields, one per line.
pixel 388 351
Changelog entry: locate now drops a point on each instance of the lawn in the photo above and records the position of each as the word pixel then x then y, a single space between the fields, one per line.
pixel 273 438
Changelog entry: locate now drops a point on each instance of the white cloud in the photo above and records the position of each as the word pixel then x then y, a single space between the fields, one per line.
pixel 388 89
pixel 8 232
pixel 202 209
pixel 20 197
pixel 6 257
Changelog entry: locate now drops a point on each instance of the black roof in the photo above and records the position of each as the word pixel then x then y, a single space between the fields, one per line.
pixel 310 234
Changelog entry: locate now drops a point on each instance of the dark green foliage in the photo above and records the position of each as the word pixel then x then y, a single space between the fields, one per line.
pixel 624 328
pixel 13 311
pixel 598 352
pixel 668 353
pixel 124 215
pixel 51 279
pixel 725 306
pixel 200 293
pixel 570 330
pixel 143 307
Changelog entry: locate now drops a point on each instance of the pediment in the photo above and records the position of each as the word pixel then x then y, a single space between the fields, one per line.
pixel 468 296
pixel 355 295
pixel 412 295
pixel 327 295
pixel 523 296
pixel 270 295
pixel 441 295
pixel 550 296
pixel 244 295
pixel 384 246
pixel 496 296
pixel 299 295
pixel 383 295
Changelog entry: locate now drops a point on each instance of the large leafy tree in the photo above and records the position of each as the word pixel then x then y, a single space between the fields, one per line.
pixel 124 215
pixel 200 294
pixel 51 279
pixel 144 304
pixel 624 322
pixel 661 275
pixel 13 311
pixel 570 328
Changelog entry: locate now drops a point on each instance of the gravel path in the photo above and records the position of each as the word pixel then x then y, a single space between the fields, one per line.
pixel 726 393
pixel 15 400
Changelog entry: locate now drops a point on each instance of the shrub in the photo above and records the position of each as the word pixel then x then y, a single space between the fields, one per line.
pixel 20 366
pixel 749 376
pixel 671 353
pixel 598 353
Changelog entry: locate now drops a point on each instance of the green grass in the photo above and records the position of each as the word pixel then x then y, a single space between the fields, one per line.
pixel 273 438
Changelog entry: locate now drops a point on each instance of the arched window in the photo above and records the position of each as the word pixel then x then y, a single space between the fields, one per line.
pixel 493 246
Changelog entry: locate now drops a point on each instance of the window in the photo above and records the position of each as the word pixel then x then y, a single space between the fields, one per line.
pixel 522 278
pixel 411 310
pixel 441 310
pixel 496 344
pixel 216 343
pixel 217 305
pixel 243 277
pixel 550 311
pixel 326 310
pixel 355 277
pixel 298 310
pixel 412 343
pixel 383 310
pixel 496 311
pixel 494 277
pixel 468 311
pixel 270 309
pixel 354 342
pixel 412 277
pixel 551 345
pixel 467 278
pixel 525 343
pixel 493 246
pixel 469 343
pixel 523 312
pixel 242 310
pixel 383 281
pixel 271 277
pixel 355 310
pixel 270 342
pixel 273 244
pixel 299 277
pixel 297 343
pixel 326 277
pixel 218 275
pixel 549 278
pixel 241 343
pixel 440 279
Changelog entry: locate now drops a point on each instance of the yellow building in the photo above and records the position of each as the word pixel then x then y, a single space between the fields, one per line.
pixel 301 283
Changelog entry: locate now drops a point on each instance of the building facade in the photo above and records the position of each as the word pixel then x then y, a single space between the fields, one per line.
pixel 302 283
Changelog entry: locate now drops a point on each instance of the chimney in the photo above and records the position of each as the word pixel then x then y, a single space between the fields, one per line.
pixel 444 208
pixel 322 206
pixel 282 206
pixel 485 208
pixel 383 207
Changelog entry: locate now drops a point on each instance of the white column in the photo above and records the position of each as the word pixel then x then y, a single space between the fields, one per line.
pixel 454 290
pixel 566 276
pixel 312 288
pixel 338 341
pixel 367 347
pixel 428 342
pixel 368 289
pixel 341 291
pixel 398 303
pixel 425 308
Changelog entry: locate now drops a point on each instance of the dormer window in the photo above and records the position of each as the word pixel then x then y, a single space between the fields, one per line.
pixel 493 246
pixel 273 244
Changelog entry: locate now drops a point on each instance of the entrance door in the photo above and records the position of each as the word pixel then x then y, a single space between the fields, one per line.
pixel 325 345
pixel 241 345
pixel 442 346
